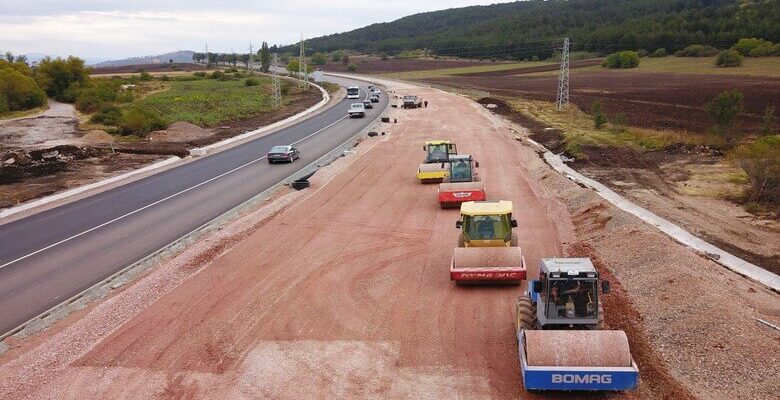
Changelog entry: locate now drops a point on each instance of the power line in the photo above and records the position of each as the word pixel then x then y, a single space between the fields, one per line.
pixel 302 69
pixel 277 84
pixel 563 78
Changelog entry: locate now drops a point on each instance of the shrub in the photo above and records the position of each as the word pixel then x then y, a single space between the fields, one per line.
pixel 337 55
pixel 90 98
pixel 643 53
pixel 660 52
pixel 535 58
pixel 199 74
pixel 754 47
pixel 761 162
pixel 764 50
pixel 144 76
pixel 165 78
pixel 352 68
pixel 776 50
pixel 599 119
pixel 768 121
pixel 383 56
pixel 140 121
pixel 728 58
pixel 107 115
pixel 57 76
pixel 251 82
pixel 216 75
pixel 19 92
pixel 622 59
pixel 697 50
pixel 723 111
pixel 319 59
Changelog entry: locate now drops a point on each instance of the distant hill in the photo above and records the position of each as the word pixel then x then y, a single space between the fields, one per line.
pixel 184 56
pixel 526 28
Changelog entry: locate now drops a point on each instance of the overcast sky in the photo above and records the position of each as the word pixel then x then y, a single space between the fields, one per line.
pixel 104 29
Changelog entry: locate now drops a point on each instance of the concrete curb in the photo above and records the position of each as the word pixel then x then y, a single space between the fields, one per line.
pixel 81 189
pixel 202 151
pixel 676 232
pixel 127 274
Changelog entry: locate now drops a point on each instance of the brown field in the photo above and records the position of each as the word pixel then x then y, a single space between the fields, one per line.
pixel 149 68
pixel 375 65
pixel 652 100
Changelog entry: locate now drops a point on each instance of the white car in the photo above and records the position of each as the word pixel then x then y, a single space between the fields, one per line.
pixel 357 110
pixel 376 91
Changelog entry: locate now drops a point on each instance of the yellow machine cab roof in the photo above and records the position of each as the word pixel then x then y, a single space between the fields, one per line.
pixel 474 208
pixel 437 142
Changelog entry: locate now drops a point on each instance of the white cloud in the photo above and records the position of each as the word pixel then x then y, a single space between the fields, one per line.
pixel 108 29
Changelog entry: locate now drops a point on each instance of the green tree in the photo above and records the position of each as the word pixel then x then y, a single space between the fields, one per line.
pixel 337 56
pixel 728 58
pixel 352 68
pixel 599 119
pixel 9 56
pixel 319 59
pixel 293 65
pixel 754 47
pixel 622 59
pixel 57 76
pixel 768 122
pixel 265 58
pixel 140 121
pixel 19 91
pixel 723 111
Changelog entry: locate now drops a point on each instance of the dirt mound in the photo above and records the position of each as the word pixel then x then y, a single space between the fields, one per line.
pixel 97 136
pixel 180 132
pixel 18 165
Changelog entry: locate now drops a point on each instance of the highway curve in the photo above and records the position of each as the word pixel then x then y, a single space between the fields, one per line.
pixel 53 255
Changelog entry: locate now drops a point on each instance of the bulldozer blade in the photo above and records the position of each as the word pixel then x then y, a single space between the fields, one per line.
pixel 451 195
pixel 576 360
pixel 487 265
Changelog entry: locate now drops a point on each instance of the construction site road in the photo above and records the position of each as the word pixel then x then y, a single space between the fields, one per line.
pixel 50 256
pixel 344 294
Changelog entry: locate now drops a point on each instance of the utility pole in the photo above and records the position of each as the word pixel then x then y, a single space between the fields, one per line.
pixel 277 84
pixel 302 70
pixel 563 78
pixel 249 63
pixel 207 55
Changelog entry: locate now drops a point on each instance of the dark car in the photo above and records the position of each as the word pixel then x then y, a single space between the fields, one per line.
pixel 368 104
pixel 375 98
pixel 283 153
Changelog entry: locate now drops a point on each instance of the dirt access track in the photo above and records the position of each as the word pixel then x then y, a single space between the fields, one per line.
pixel 342 291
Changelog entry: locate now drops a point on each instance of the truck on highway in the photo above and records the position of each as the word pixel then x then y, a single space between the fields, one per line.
pixel 357 110
pixel 353 92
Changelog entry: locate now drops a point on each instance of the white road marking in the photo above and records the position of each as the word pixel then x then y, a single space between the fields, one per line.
pixel 157 202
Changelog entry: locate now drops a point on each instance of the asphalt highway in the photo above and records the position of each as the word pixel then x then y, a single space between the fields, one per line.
pixel 53 255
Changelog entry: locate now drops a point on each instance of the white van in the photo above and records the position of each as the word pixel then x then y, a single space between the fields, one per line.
pixel 353 92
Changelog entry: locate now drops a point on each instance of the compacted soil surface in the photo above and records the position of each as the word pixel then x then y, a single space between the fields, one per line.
pixel 342 290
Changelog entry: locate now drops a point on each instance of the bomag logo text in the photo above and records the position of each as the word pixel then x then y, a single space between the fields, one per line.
pixel 587 378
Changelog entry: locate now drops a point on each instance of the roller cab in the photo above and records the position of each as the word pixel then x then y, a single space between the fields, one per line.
pixel 436 166
pixel 487 251
pixel 463 183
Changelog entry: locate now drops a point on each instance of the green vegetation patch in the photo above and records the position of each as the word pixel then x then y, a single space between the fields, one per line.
pixel 209 102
